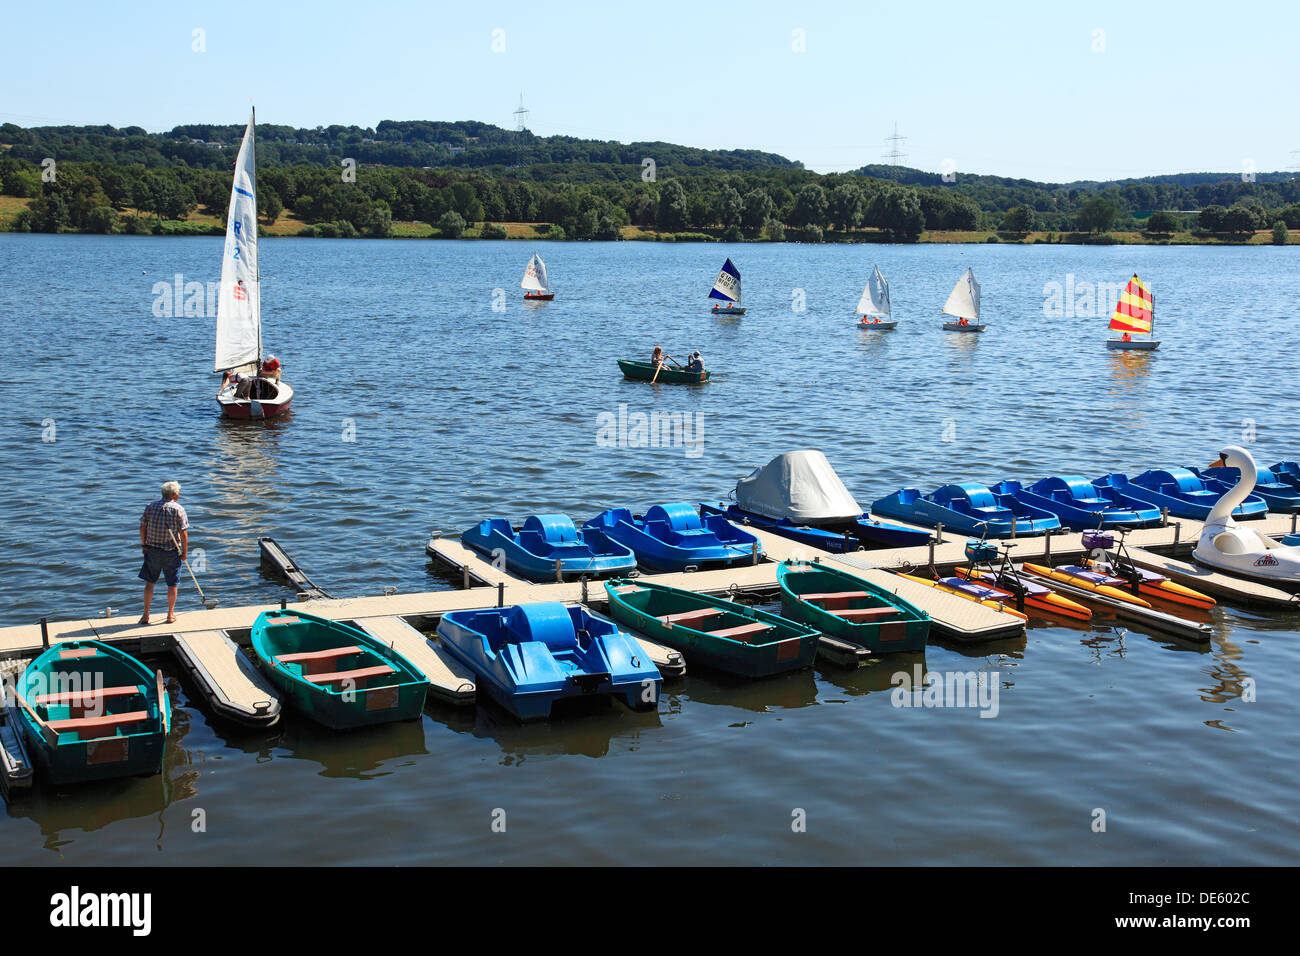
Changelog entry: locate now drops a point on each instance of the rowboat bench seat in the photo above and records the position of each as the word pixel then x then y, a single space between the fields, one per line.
pixel 692 617
pixel 358 674
pixel 83 698
pixel 866 613
pixel 327 654
pixel 99 723
pixel 743 630
pixel 835 595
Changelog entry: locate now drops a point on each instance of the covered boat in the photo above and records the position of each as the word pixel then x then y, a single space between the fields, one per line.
pixel 336 674
pixel 89 711
pixel 727 288
pixel 968 508
pixel 1135 313
pixel 712 631
pixel 802 488
pixel 1183 493
pixel 645 372
pixel 964 305
pixel 531 655
pixel 673 537
pixel 535 282
pixel 250 391
pixel 874 304
pixel 844 606
pixel 549 546
pixel 1079 503
pixel 1278 494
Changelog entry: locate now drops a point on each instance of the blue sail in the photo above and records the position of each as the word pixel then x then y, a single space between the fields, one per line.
pixel 727 285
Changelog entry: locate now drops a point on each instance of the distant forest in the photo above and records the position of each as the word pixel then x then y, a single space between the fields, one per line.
pixel 350 181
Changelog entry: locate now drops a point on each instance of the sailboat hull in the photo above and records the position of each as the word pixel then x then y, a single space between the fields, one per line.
pixel 538 296
pixel 728 311
pixel 887 326
pixel 273 406
pixel 1144 345
pixel 958 327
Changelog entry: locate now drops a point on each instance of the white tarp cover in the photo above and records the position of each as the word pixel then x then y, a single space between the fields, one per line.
pixel 799 485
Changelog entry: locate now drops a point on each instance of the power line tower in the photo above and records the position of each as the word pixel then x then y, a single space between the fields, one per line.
pixel 521 115
pixel 895 155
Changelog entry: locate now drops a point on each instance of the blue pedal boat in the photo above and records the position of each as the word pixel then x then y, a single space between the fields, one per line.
pixel 967 508
pixel 1278 495
pixel 1080 504
pixel 673 537
pixel 91 712
pixel 532 551
pixel 1184 494
pixel 1287 472
pixel 531 655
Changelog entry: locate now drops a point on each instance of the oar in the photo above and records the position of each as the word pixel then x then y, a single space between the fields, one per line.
pixel 659 367
pixel 202 597
pixel 49 733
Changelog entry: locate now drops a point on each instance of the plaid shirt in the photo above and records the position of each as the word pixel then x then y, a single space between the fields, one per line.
pixel 160 518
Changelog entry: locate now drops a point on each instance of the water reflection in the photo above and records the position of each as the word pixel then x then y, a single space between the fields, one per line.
pixel 585 727
pixel 1129 369
pixel 363 753
pixel 779 692
pixel 876 675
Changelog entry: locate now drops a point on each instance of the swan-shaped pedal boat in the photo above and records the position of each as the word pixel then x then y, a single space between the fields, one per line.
pixel 1245 552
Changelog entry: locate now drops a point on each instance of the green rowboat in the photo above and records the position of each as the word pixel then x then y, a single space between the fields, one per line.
pixel 844 606
pixel 712 631
pixel 645 372
pixel 336 674
pixel 91 712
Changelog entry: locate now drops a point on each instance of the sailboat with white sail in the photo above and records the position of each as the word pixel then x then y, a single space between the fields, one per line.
pixel 535 282
pixel 874 304
pixel 1135 312
pixel 727 288
pixel 964 305
pixel 249 387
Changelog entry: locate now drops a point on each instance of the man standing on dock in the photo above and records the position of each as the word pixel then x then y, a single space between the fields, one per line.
pixel 165 541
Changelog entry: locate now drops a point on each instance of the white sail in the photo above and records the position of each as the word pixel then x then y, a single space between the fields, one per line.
pixel 875 297
pixel 535 276
pixel 239 306
pixel 964 300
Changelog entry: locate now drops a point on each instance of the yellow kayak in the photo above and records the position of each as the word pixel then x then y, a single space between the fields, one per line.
pixel 1093 581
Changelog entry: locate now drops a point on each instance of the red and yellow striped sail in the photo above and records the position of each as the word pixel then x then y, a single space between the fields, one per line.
pixel 1134 309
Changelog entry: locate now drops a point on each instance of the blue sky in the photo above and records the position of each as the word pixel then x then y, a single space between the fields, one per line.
pixel 1017 89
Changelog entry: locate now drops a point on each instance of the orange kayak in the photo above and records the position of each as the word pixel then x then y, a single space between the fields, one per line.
pixel 1093 581
pixel 979 593
pixel 1037 596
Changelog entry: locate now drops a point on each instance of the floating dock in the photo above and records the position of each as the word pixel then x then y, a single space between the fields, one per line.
pixel 206 642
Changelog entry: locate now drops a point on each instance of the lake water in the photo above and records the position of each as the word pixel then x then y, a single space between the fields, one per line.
pixel 419 407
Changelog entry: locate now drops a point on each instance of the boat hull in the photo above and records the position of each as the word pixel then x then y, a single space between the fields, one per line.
pixel 1135 345
pixel 717 311
pixel 528 657
pixel 245 409
pixel 958 327
pixel 645 372
pixel 1039 598
pixel 1181 491
pixel 1084 579
pixel 780 645
pixel 967 508
pixel 538 296
pixel 882 326
pixel 1080 504
pixel 349 702
pixel 62 676
pixel 817 595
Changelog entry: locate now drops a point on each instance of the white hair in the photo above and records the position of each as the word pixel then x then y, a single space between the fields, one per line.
pixel 171 489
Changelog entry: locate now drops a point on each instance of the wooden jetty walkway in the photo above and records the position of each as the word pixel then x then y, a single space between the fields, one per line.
pixel 207 642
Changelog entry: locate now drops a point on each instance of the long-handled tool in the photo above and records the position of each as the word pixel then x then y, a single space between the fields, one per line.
pixel 208 602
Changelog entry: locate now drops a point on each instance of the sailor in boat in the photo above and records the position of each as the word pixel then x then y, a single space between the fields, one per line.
pixel 963 322
pixel 271 368
pixel 657 357
pixel 1126 337
pixel 695 363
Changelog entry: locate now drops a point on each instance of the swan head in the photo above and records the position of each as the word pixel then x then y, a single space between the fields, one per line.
pixel 1234 456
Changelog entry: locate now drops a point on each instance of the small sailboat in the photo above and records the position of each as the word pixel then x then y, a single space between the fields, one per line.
pixel 535 283
pixel 1134 312
pixel 874 304
pixel 248 389
pixel 964 305
pixel 727 288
